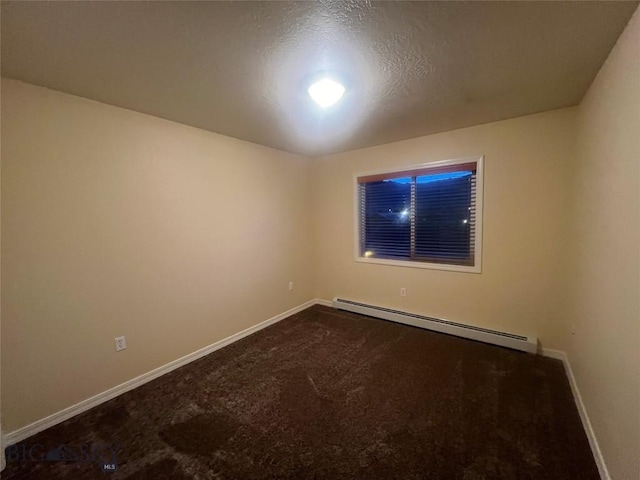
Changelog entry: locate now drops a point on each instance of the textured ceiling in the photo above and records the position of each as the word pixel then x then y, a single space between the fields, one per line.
pixel 242 68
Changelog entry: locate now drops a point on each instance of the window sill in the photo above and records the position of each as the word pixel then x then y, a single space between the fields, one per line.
pixel 430 266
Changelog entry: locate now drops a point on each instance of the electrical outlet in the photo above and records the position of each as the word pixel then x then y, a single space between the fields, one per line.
pixel 290 286
pixel 403 292
pixel 121 343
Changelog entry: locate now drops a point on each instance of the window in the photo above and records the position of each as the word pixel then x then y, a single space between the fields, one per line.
pixel 426 216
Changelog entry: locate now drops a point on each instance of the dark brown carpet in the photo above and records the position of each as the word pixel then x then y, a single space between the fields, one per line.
pixel 331 395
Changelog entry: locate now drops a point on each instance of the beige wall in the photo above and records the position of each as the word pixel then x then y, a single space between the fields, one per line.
pixel 117 223
pixel 526 174
pixel 605 239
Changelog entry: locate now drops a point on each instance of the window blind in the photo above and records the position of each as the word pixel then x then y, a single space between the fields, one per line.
pixel 425 214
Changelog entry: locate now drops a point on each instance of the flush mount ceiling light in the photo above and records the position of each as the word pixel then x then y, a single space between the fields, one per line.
pixel 326 92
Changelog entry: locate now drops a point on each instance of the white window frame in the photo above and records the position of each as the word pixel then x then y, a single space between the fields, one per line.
pixel 476 268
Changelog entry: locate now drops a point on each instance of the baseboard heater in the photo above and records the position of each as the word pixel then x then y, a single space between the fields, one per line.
pixel 495 337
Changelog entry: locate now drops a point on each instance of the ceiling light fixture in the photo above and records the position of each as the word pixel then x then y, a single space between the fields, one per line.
pixel 326 92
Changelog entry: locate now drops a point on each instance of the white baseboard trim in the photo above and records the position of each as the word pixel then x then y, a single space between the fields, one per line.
pixel 326 303
pixel 586 423
pixel 65 414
